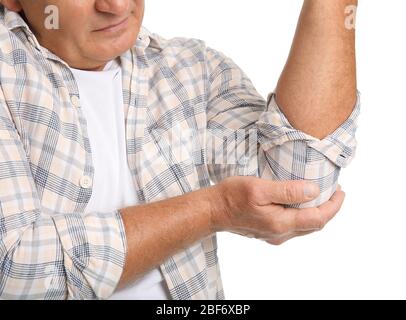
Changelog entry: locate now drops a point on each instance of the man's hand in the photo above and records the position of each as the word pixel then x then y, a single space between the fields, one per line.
pixel 255 208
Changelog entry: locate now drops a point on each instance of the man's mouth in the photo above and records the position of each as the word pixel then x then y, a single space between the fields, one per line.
pixel 115 26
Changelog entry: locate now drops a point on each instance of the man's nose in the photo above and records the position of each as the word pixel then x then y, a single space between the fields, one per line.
pixel 117 7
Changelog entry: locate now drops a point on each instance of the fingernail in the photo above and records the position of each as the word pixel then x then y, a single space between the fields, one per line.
pixel 311 190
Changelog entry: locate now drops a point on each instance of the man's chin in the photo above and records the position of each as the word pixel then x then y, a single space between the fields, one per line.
pixel 114 48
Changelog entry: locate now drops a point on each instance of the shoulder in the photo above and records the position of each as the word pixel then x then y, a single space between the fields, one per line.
pixel 13 40
pixel 7 51
pixel 180 53
pixel 186 49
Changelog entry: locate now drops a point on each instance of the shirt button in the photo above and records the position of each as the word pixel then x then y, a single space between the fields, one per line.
pixel 85 182
pixel 75 101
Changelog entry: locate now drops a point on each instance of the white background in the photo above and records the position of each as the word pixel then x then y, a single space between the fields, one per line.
pixel 362 252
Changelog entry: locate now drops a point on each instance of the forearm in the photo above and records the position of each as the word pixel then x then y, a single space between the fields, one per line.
pixel 243 205
pixel 158 230
pixel 317 88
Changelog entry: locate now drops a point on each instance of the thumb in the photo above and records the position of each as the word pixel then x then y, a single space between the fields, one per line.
pixel 293 191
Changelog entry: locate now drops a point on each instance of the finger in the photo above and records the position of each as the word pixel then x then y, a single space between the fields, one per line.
pixel 316 218
pixel 330 208
pixel 290 192
pixel 288 220
pixel 283 239
pixel 245 234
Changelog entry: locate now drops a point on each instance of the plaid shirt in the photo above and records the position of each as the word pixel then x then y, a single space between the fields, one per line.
pixel 51 249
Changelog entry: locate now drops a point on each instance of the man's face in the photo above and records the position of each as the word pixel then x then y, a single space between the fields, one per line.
pixel 85 38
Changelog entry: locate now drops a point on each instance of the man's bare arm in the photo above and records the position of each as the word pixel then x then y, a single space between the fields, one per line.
pixel 317 88
pixel 157 230
pixel 243 205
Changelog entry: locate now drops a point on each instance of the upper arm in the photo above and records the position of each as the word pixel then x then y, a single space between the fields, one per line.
pixel 233 109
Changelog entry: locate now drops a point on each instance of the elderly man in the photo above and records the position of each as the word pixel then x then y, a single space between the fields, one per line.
pixel 97 197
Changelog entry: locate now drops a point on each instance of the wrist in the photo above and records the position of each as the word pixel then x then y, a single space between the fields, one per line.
pixel 218 203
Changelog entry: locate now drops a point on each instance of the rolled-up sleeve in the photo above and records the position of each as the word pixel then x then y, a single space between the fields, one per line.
pixel 267 145
pixel 289 154
pixel 50 255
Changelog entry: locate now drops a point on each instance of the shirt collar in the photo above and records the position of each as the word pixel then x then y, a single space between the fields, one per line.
pixel 13 20
pixel 146 39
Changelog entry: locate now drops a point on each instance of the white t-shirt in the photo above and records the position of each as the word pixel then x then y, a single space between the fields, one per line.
pixel 101 97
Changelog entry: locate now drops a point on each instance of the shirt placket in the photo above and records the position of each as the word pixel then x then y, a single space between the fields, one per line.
pixel 135 92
